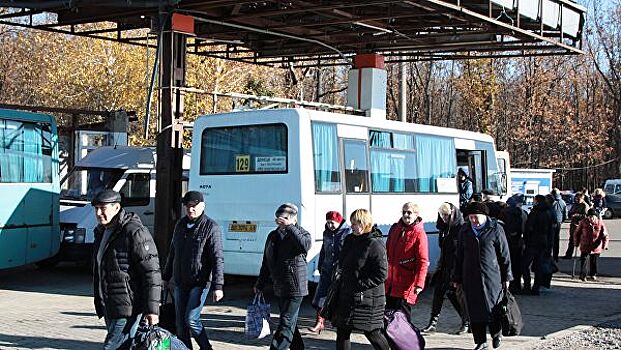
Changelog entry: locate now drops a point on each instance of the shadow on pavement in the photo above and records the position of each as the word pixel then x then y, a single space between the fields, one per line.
pixel 67 279
pixel 45 343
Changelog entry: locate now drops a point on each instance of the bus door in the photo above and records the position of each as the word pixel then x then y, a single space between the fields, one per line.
pixel 356 168
pixel 473 161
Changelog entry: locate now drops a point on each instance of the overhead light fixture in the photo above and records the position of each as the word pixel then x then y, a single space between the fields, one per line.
pixel 373 27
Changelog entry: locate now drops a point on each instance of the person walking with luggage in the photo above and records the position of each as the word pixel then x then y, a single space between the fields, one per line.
pixel 538 236
pixel 592 237
pixel 361 297
pixel 126 271
pixel 513 219
pixel 196 265
pixel 449 223
pixel 560 215
pixel 284 262
pixel 408 260
pixel 577 213
pixel 482 269
pixel 336 229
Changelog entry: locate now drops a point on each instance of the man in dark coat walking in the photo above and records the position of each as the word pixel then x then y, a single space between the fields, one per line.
pixel 126 271
pixel 483 269
pixel 196 263
pixel 538 237
pixel 284 262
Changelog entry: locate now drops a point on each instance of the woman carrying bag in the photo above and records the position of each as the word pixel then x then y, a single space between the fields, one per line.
pixel 360 297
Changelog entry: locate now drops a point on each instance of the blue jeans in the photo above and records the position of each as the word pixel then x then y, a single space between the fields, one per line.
pixel 188 306
pixel 287 335
pixel 121 331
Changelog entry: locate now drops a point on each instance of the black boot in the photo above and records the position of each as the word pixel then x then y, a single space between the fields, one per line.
pixel 433 323
pixel 465 328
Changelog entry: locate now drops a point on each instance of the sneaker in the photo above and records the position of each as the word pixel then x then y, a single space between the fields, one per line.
pixel 497 341
pixel 583 278
pixel 594 278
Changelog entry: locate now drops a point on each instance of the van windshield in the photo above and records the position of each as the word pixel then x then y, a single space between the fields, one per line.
pixel 84 183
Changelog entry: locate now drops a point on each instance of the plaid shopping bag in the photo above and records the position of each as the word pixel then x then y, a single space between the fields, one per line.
pixel 257 318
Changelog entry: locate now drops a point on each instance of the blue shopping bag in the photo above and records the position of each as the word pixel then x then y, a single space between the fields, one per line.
pixel 257 318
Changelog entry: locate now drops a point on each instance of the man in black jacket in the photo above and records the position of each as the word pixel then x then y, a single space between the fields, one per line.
pixel 284 262
pixel 196 263
pixel 126 271
pixel 538 239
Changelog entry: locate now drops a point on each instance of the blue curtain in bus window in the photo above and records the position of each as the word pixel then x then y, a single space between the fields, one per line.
pixel 436 158
pixel 11 161
pixel 380 171
pixel 33 157
pixel 403 141
pixel 325 154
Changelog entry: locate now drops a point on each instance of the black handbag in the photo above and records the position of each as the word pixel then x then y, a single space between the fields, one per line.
pixel 509 314
pixel 167 312
pixel 329 305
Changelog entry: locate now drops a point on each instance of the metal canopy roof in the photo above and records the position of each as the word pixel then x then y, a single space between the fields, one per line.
pixel 310 33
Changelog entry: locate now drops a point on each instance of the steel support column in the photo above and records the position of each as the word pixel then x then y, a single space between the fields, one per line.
pixel 170 137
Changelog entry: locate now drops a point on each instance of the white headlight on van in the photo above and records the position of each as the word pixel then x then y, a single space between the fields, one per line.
pixel 69 235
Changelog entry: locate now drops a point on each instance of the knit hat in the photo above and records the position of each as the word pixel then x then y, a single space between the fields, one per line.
pixel 477 208
pixel 334 216
pixel 592 212
pixel 288 209
pixel 193 198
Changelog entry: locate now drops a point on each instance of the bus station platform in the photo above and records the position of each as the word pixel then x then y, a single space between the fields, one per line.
pixel 53 309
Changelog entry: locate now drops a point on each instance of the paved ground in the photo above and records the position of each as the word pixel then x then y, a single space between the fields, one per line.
pixel 53 310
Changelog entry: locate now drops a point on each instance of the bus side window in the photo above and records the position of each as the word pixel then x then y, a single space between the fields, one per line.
pixel 356 167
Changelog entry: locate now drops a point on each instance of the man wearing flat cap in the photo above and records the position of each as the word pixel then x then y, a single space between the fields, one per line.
pixel 196 265
pixel 284 262
pixel 483 270
pixel 126 271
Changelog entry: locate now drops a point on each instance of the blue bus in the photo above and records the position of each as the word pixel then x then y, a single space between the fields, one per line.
pixel 29 188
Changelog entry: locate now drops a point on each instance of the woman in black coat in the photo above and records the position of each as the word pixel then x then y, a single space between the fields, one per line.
pixel 483 268
pixel 361 299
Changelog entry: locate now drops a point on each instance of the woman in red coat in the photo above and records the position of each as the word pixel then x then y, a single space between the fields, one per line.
pixel 592 237
pixel 408 260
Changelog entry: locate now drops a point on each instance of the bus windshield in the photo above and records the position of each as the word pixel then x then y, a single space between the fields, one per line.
pixel 84 183
pixel 238 150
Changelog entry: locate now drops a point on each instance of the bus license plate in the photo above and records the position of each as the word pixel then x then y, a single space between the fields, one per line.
pixel 243 227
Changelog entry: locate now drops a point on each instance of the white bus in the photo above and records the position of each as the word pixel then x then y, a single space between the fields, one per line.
pixel 248 163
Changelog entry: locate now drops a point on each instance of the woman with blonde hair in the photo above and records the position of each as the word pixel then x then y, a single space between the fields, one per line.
pixel 361 296
pixel 408 259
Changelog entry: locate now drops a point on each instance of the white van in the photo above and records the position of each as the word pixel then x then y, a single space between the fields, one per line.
pixel 128 170
pixel 612 186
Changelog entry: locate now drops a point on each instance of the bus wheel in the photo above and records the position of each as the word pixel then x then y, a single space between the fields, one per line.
pixel 48 263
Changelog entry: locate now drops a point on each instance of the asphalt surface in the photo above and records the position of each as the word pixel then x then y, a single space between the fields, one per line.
pixel 52 309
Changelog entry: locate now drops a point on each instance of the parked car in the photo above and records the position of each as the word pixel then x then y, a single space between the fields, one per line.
pixel 613 205
pixel 568 197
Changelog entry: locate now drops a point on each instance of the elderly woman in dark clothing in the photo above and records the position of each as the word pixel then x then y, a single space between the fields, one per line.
pixel 284 262
pixel 361 297
pixel 449 223
pixel 333 237
pixel 483 269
